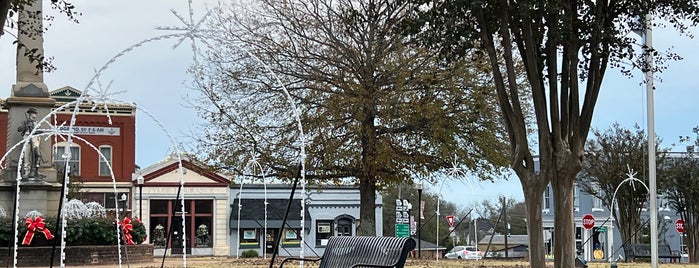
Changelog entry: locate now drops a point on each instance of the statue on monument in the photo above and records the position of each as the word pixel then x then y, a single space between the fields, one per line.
pixel 32 153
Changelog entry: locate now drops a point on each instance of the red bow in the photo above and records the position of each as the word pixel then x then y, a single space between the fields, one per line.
pixel 34 225
pixel 126 227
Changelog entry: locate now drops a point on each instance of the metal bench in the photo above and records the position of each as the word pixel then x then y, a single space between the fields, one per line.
pixel 363 251
pixel 634 251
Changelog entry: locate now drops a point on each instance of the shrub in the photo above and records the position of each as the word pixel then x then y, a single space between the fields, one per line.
pixel 88 231
pixel 250 253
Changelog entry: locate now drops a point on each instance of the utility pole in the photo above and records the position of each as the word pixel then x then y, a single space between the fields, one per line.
pixel 507 229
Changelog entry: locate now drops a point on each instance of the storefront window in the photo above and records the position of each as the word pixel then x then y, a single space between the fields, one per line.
pixel 291 238
pixel 158 232
pixel 203 206
pixel 249 238
pixel 323 232
pixel 203 235
pixel 198 221
pixel 160 207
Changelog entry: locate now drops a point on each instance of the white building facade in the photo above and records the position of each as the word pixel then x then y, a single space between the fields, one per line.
pixel 328 211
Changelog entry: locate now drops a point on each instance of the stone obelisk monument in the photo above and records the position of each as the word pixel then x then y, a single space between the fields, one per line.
pixel 27 105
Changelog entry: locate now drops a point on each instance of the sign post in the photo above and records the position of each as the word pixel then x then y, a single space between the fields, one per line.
pixel 588 221
pixel 679 225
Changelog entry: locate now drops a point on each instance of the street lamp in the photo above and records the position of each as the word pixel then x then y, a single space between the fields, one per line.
pixel 122 204
pixel 647 35
pixel 419 222
pixel 140 180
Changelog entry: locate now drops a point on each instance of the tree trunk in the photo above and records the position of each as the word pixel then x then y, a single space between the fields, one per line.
pixel 564 232
pixel 367 208
pixel 692 235
pixel 533 198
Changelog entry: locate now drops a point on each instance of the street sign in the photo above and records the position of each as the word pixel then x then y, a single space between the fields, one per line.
pixel 413 225
pixel 588 221
pixel 679 225
pixel 602 229
pixel 450 220
pixel 402 211
pixel 402 230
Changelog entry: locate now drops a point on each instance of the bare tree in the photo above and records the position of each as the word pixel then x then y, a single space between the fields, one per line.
pixel 375 108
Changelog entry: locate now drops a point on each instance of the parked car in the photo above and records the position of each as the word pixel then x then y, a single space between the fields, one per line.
pixel 464 252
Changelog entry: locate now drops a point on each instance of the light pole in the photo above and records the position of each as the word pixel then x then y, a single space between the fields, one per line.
pixel 648 44
pixel 419 222
pixel 122 204
pixel 140 180
pixel 507 226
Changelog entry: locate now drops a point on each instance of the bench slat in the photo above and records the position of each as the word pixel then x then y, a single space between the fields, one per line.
pixel 634 251
pixel 365 251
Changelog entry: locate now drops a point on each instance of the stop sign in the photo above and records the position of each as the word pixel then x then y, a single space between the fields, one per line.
pixel 679 225
pixel 588 221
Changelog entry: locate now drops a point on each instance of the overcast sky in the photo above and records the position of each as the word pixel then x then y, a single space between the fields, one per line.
pixel 155 78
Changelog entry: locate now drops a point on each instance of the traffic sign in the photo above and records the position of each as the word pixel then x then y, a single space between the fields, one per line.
pixel 588 221
pixel 679 225
pixel 602 229
pixel 450 220
pixel 402 230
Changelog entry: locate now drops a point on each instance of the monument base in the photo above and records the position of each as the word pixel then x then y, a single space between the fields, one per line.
pixel 37 195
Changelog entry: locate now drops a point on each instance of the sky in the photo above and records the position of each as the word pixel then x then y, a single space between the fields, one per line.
pixel 153 76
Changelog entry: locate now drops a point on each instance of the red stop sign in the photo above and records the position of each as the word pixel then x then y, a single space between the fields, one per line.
pixel 679 225
pixel 588 221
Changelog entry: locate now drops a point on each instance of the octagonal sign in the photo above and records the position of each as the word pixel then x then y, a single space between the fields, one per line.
pixel 588 221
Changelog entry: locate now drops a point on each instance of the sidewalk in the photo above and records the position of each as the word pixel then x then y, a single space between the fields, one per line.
pixel 191 261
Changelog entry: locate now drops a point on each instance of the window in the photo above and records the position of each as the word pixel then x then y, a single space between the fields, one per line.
pixel 73 156
pixel 663 203
pixel 323 232
pixel 578 238
pixel 249 238
pixel 106 162
pixel 344 227
pixel 198 222
pixel 547 200
pixel 158 231
pixel 105 199
pixel 576 198
pixel 160 211
pixel 291 238
pixel 597 205
pixel 203 232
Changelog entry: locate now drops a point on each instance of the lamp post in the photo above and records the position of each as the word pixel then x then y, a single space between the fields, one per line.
pixel 647 35
pixel 140 180
pixel 122 204
pixel 419 222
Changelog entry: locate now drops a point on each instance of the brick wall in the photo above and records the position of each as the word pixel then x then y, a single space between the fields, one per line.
pixel 80 255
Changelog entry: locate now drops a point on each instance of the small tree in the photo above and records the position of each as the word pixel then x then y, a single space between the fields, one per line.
pixel 609 158
pixel 681 187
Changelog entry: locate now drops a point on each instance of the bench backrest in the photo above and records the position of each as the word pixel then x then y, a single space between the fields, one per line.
pixel 643 250
pixel 372 251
